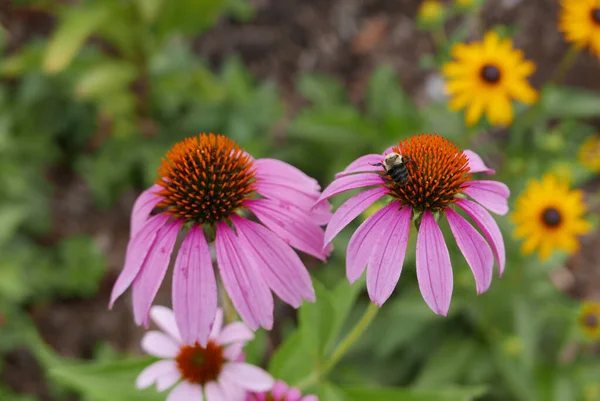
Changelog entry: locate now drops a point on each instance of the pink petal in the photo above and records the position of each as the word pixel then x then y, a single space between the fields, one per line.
pixel 293 395
pixel 167 381
pixel 249 377
pixel 350 209
pixel 278 171
pixel 186 391
pixel 194 289
pixel 310 398
pixel 236 332
pixel 217 325
pixel 476 164
pixel 159 344
pixel 287 192
pixel 492 195
pixel 291 224
pixel 165 320
pixel 474 247
pixel 320 214
pixel 213 392
pixel 364 239
pixel 247 289
pixel 147 283
pixel 137 250
pixel 387 257
pixel 279 265
pixel 279 390
pixel 151 374
pixel 489 227
pixel 434 270
pixel 142 207
pixel 349 182
pixel 232 391
pixel 362 165
pixel 234 351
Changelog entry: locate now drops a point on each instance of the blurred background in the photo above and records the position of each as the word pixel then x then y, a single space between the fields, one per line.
pixel 92 94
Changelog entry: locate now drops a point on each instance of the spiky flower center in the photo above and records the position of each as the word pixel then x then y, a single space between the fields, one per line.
pixel 200 365
pixel 435 176
pixel 596 15
pixel 490 73
pixel 551 217
pixel 205 179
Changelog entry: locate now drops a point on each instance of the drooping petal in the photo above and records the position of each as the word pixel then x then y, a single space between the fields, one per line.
pixel 194 289
pixel 246 287
pixel 474 247
pixel 291 224
pixel 165 320
pixel 350 209
pixel 280 171
pixel 217 325
pixel 320 214
pixel 385 263
pixel 214 392
pixel 150 374
pixel 235 332
pixel 279 390
pixel 349 182
pixel 476 163
pixel 137 250
pixel 142 207
pixel 281 268
pixel 247 376
pixel 287 192
pixel 186 391
pixel 488 227
pixel 362 165
pixel 492 195
pixel 434 270
pixel 364 239
pixel 159 344
pixel 234 351
pixel 146 284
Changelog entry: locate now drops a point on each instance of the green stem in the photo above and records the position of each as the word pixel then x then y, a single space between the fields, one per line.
pixel 564 64
pixel 342 347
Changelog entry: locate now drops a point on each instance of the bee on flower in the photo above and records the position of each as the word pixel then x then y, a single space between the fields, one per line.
pixel 206 189
pixel 580 22
pixel 549 216
pixel 438 182
pixel 485 76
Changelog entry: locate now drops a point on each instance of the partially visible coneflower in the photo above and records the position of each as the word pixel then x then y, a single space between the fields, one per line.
pixel 549 216
pixel 589 319
pixel 484 78
pixel 439 183
pixel 589 153
pixel 211 372
pixel 206 187
pixel 280 392
pixel 580 22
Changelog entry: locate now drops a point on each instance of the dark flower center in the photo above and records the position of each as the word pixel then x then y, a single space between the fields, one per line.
pixel 436 174
pixel 200 365
pixel 490 73
pixel 551 217
pixel 590 320
pixel 205 178
pixel 596 15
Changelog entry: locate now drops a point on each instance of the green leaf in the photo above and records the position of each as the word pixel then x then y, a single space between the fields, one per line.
pixel 342 299
pixel 330 392
pixel 564 102
pixel 335 125
pixel 290 363
pixel 322 90
pixel 316 322
pixel 149 9
pixel 11 216
pixel 105 78
pixel 401 394
pixel 385 96
pixel 190 16
pixel 76 25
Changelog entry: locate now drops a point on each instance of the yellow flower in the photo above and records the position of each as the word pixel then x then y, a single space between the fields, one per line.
pixel 589 153
pixel 580 22
pixel 431 11
pixel 484 78
pixel 589 319
pixel 464 3
pixel 549 216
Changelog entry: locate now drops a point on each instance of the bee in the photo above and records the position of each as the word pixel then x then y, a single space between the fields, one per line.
pixel 395 165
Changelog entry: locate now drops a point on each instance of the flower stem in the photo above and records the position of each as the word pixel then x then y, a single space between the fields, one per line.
pixel 565 64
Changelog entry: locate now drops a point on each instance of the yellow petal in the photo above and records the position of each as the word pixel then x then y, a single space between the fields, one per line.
pixel 474 111
pixel 500 110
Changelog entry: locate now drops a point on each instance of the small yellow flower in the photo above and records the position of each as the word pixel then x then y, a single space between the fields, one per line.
pixel 580 22
pixel 431 11
pixel 549 216
pixel 464 3
pixel 589 319
pixel 589 153
pixel 484 78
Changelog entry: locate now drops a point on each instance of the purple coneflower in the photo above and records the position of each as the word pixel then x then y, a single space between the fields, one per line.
pixel 212 372
pixel 204 186
pixel 437 184
pixel 280 392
